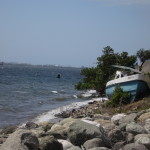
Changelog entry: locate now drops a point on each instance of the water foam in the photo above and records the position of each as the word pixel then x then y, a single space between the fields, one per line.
pixel 51 114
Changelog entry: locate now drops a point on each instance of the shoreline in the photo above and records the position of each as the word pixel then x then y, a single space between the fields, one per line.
pixel 111 131
pixel 52 115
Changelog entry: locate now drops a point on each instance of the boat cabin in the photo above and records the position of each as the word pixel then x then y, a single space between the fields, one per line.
pixel 120 74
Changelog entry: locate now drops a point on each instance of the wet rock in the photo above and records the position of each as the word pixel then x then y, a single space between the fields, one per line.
pixel 63 115
pixel 31 125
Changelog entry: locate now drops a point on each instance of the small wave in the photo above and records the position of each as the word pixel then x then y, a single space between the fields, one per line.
pixel 51 114
pixel 55 92
pixel 20 92
pixel 75 96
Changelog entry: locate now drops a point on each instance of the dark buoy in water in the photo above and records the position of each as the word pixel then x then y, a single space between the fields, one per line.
pixel 58 76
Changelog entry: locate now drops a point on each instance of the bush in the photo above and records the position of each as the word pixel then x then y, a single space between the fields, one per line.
pixel 119 97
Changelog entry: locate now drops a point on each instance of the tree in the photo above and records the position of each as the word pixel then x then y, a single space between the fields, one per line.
pixel 143 55
pixel 96 78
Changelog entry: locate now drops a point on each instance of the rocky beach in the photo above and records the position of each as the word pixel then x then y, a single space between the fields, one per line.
pixel 91 127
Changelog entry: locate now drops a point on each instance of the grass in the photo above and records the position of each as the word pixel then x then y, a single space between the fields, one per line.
pixel 142 104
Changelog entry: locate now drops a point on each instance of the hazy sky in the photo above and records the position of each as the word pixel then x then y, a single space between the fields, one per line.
pixel 71 32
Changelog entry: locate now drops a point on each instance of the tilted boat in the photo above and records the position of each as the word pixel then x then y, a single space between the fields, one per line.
pixel 132 81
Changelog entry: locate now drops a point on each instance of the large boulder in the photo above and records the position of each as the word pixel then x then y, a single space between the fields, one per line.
pixel 50 143
pixel 143 139
pixel 80 131
pixel 134 146
pixel 135 128
pixel 21 140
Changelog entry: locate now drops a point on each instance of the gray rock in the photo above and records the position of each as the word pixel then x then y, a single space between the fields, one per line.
pixel 134 146
pixel 115 118
pixel 58 131
pixel 80 131
pixel 106 124
pixel 47 126
pixel 50 143
pixel 65 143
pixel 31 125
pixel 67 120
pixel 143 139
pixel 128 119
pixel 135 128
pixel 95 142
pixel 75 148
pixel 116 135
pixel 21 140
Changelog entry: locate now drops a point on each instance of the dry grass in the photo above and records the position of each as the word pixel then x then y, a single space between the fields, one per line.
pixel 135 106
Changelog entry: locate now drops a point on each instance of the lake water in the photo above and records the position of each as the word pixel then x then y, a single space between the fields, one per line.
pixel 27 91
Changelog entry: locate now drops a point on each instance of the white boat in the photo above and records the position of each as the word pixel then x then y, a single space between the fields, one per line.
pixel 137 84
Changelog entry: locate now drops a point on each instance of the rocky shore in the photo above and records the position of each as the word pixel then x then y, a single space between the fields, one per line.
pixel 87 128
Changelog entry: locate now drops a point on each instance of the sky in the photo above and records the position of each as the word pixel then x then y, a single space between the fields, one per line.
pixel 71 32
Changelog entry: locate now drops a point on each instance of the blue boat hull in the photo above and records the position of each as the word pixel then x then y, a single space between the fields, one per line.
pixel 137 89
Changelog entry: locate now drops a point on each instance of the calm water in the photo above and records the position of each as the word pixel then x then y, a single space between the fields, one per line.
pixel 27 91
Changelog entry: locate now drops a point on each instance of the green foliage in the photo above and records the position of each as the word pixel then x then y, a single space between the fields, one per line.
pixel 119 97
pixel 97 77
pixel 143 55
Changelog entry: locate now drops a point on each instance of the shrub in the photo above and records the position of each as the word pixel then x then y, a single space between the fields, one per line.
pixel 119 97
